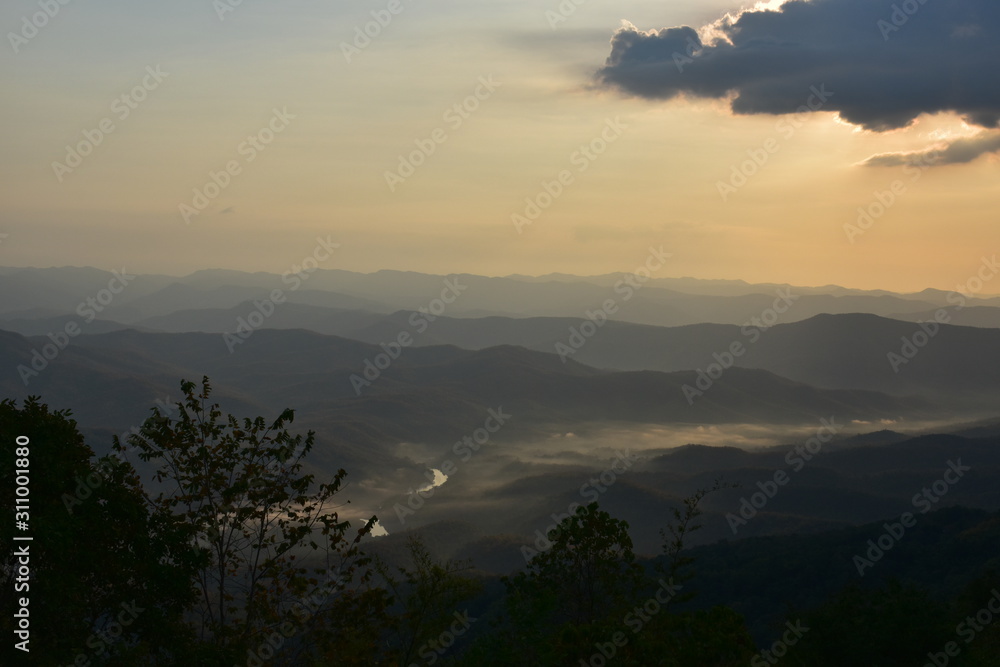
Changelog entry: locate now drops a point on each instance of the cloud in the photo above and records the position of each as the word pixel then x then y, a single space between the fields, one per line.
pixel 885 61
pixel 959 151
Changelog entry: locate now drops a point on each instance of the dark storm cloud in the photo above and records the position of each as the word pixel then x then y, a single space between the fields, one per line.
pixel 885 62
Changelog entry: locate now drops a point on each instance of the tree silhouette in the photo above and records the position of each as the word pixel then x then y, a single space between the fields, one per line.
pixel 277 556
pixel 429 596
pixel 109 578
pixel 896 624
pixel 590 567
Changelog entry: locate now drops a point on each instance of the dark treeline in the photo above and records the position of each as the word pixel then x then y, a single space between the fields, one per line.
pixel 231 555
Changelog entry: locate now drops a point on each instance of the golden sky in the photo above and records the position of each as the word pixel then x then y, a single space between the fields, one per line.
pixel 338 120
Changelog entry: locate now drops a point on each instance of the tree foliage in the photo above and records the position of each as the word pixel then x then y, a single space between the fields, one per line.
pixel 270 535
pixel 231 554
pixel 430 598
pixel 109 578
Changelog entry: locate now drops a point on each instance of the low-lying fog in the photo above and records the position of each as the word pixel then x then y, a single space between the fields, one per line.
pixel 500 484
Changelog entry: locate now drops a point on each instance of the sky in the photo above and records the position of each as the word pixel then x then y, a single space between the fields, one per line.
pixel 813 143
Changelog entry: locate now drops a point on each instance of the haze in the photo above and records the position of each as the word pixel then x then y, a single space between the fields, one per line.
pixel 224 73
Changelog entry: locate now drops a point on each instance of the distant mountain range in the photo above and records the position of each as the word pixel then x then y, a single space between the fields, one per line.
pixel 38 293
pixel 853 351
pixel 113 379
pixel 392 368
